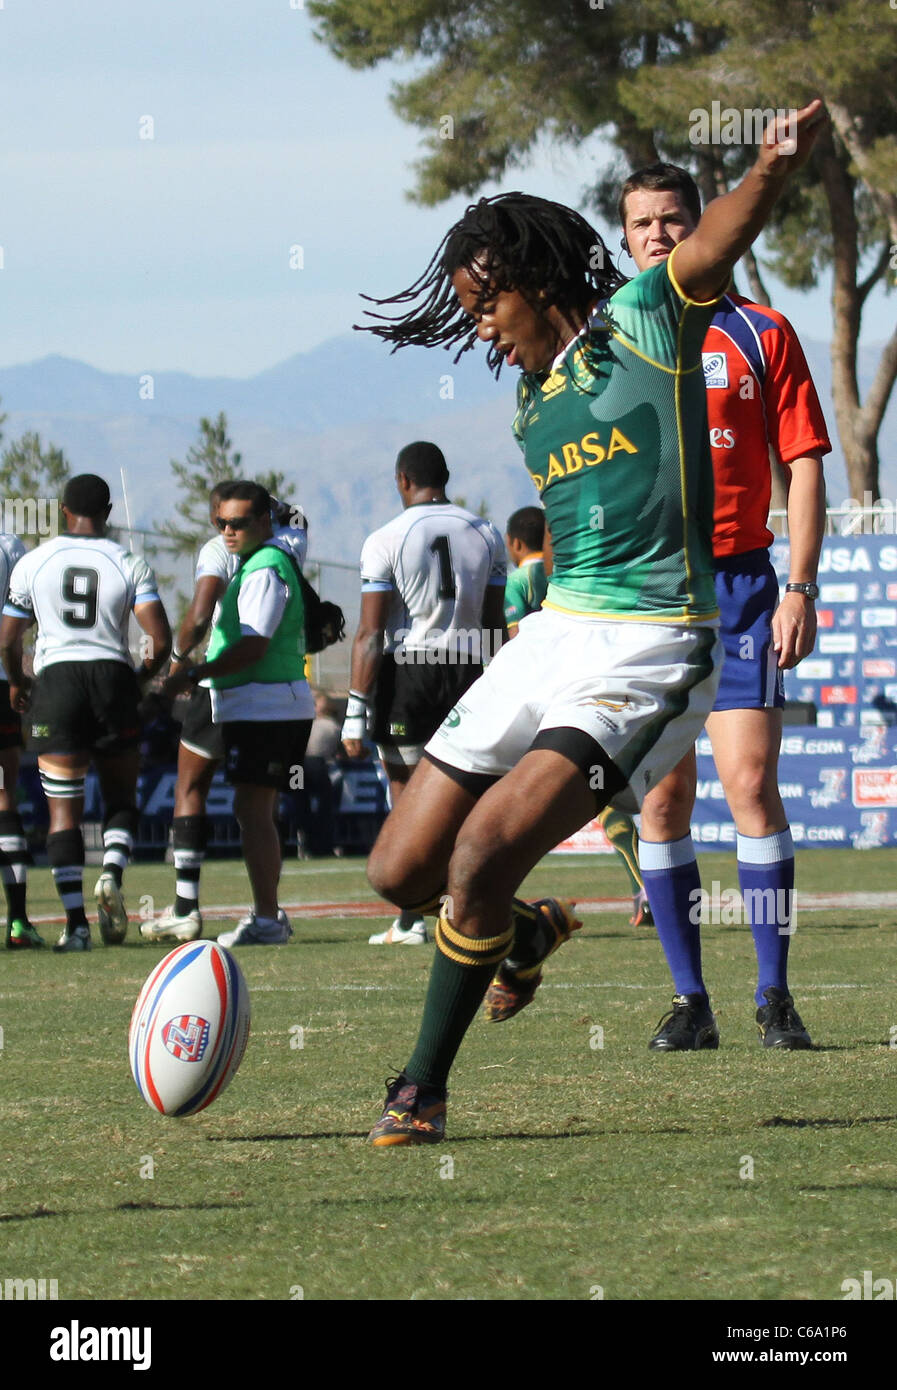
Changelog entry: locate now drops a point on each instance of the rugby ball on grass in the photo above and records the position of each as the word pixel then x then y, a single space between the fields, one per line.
pixel 189 1028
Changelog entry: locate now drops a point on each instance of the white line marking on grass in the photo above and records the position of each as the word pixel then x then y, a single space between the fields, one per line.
pixel 364 989
pixel 375 912
pixel 582 984
pixel 818 902
pixel 370 912
pixel 805 902
pixel 307 870
pixel 295 989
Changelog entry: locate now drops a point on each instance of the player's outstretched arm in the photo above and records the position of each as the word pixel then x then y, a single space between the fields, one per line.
pixel 154 621
pixel 367 654
pixel 193 629
pixel 12 637
pixel 703 262
pixel 245 653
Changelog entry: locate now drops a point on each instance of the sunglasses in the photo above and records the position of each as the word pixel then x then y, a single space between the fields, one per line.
pixel 236 523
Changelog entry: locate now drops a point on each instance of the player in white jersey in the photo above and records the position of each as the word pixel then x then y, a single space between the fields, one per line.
pixel 432 609
pixel 80 589
pixel 201 747
pixel 289 529
pixel 14 856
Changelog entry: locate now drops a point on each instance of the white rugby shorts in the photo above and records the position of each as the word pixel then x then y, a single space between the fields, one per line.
pixel 401 754
pixel 642 691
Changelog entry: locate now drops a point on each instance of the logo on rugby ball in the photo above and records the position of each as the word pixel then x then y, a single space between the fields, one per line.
pixel 186 1037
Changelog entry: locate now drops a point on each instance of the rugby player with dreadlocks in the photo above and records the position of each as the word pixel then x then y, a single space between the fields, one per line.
pixel 605 689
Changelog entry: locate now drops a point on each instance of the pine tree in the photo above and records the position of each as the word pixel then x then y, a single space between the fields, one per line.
pixel 212 459
pixel 32 479
pixel 494 77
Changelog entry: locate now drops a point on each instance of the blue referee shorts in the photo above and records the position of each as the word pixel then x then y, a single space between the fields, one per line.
pixel 747 592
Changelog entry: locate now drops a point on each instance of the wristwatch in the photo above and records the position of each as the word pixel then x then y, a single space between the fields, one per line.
pixel 808 590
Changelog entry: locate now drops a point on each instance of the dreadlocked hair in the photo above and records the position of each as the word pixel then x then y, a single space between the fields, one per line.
pixel 513 241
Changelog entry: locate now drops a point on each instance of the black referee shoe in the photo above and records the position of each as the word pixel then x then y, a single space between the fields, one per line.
pixel 689 1026
pixel 779 1023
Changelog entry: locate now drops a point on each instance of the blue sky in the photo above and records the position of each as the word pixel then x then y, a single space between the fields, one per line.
pixel 173 252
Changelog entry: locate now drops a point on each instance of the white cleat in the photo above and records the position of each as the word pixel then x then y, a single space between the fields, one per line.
pixel 253 931
pixel 415 935
pixel 170 927
pixel 111 914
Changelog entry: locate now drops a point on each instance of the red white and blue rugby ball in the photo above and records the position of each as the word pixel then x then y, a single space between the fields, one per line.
pixel 189 1028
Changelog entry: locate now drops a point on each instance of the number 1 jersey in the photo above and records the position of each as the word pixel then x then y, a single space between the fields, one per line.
pixel 80 590
pixel 437 560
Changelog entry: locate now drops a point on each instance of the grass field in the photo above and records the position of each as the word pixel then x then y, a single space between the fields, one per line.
pixel 568 1166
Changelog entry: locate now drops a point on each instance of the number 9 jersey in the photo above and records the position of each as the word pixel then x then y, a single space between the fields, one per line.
pixel 80 590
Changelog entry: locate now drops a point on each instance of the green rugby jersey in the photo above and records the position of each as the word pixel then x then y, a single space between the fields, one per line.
pixel 525 588
pixel 615 439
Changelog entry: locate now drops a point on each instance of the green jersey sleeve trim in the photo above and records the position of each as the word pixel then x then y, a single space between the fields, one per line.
pixel 652 361
pixel 696 303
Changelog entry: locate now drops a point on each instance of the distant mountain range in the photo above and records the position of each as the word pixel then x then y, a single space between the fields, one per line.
pixel 347 380
pixel 332 420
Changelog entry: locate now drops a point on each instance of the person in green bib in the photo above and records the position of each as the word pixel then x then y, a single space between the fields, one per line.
pixel 260 697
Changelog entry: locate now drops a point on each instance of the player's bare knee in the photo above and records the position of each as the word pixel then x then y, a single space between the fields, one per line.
pixel 666 810
pixel 381 872
pixel 393 873
pixel 196 789
pixel 482 867
pixel 252 805
pixel 667 814
pixel 753 789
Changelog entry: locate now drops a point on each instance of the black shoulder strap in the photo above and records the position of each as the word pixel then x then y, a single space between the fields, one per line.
pixel 304 586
